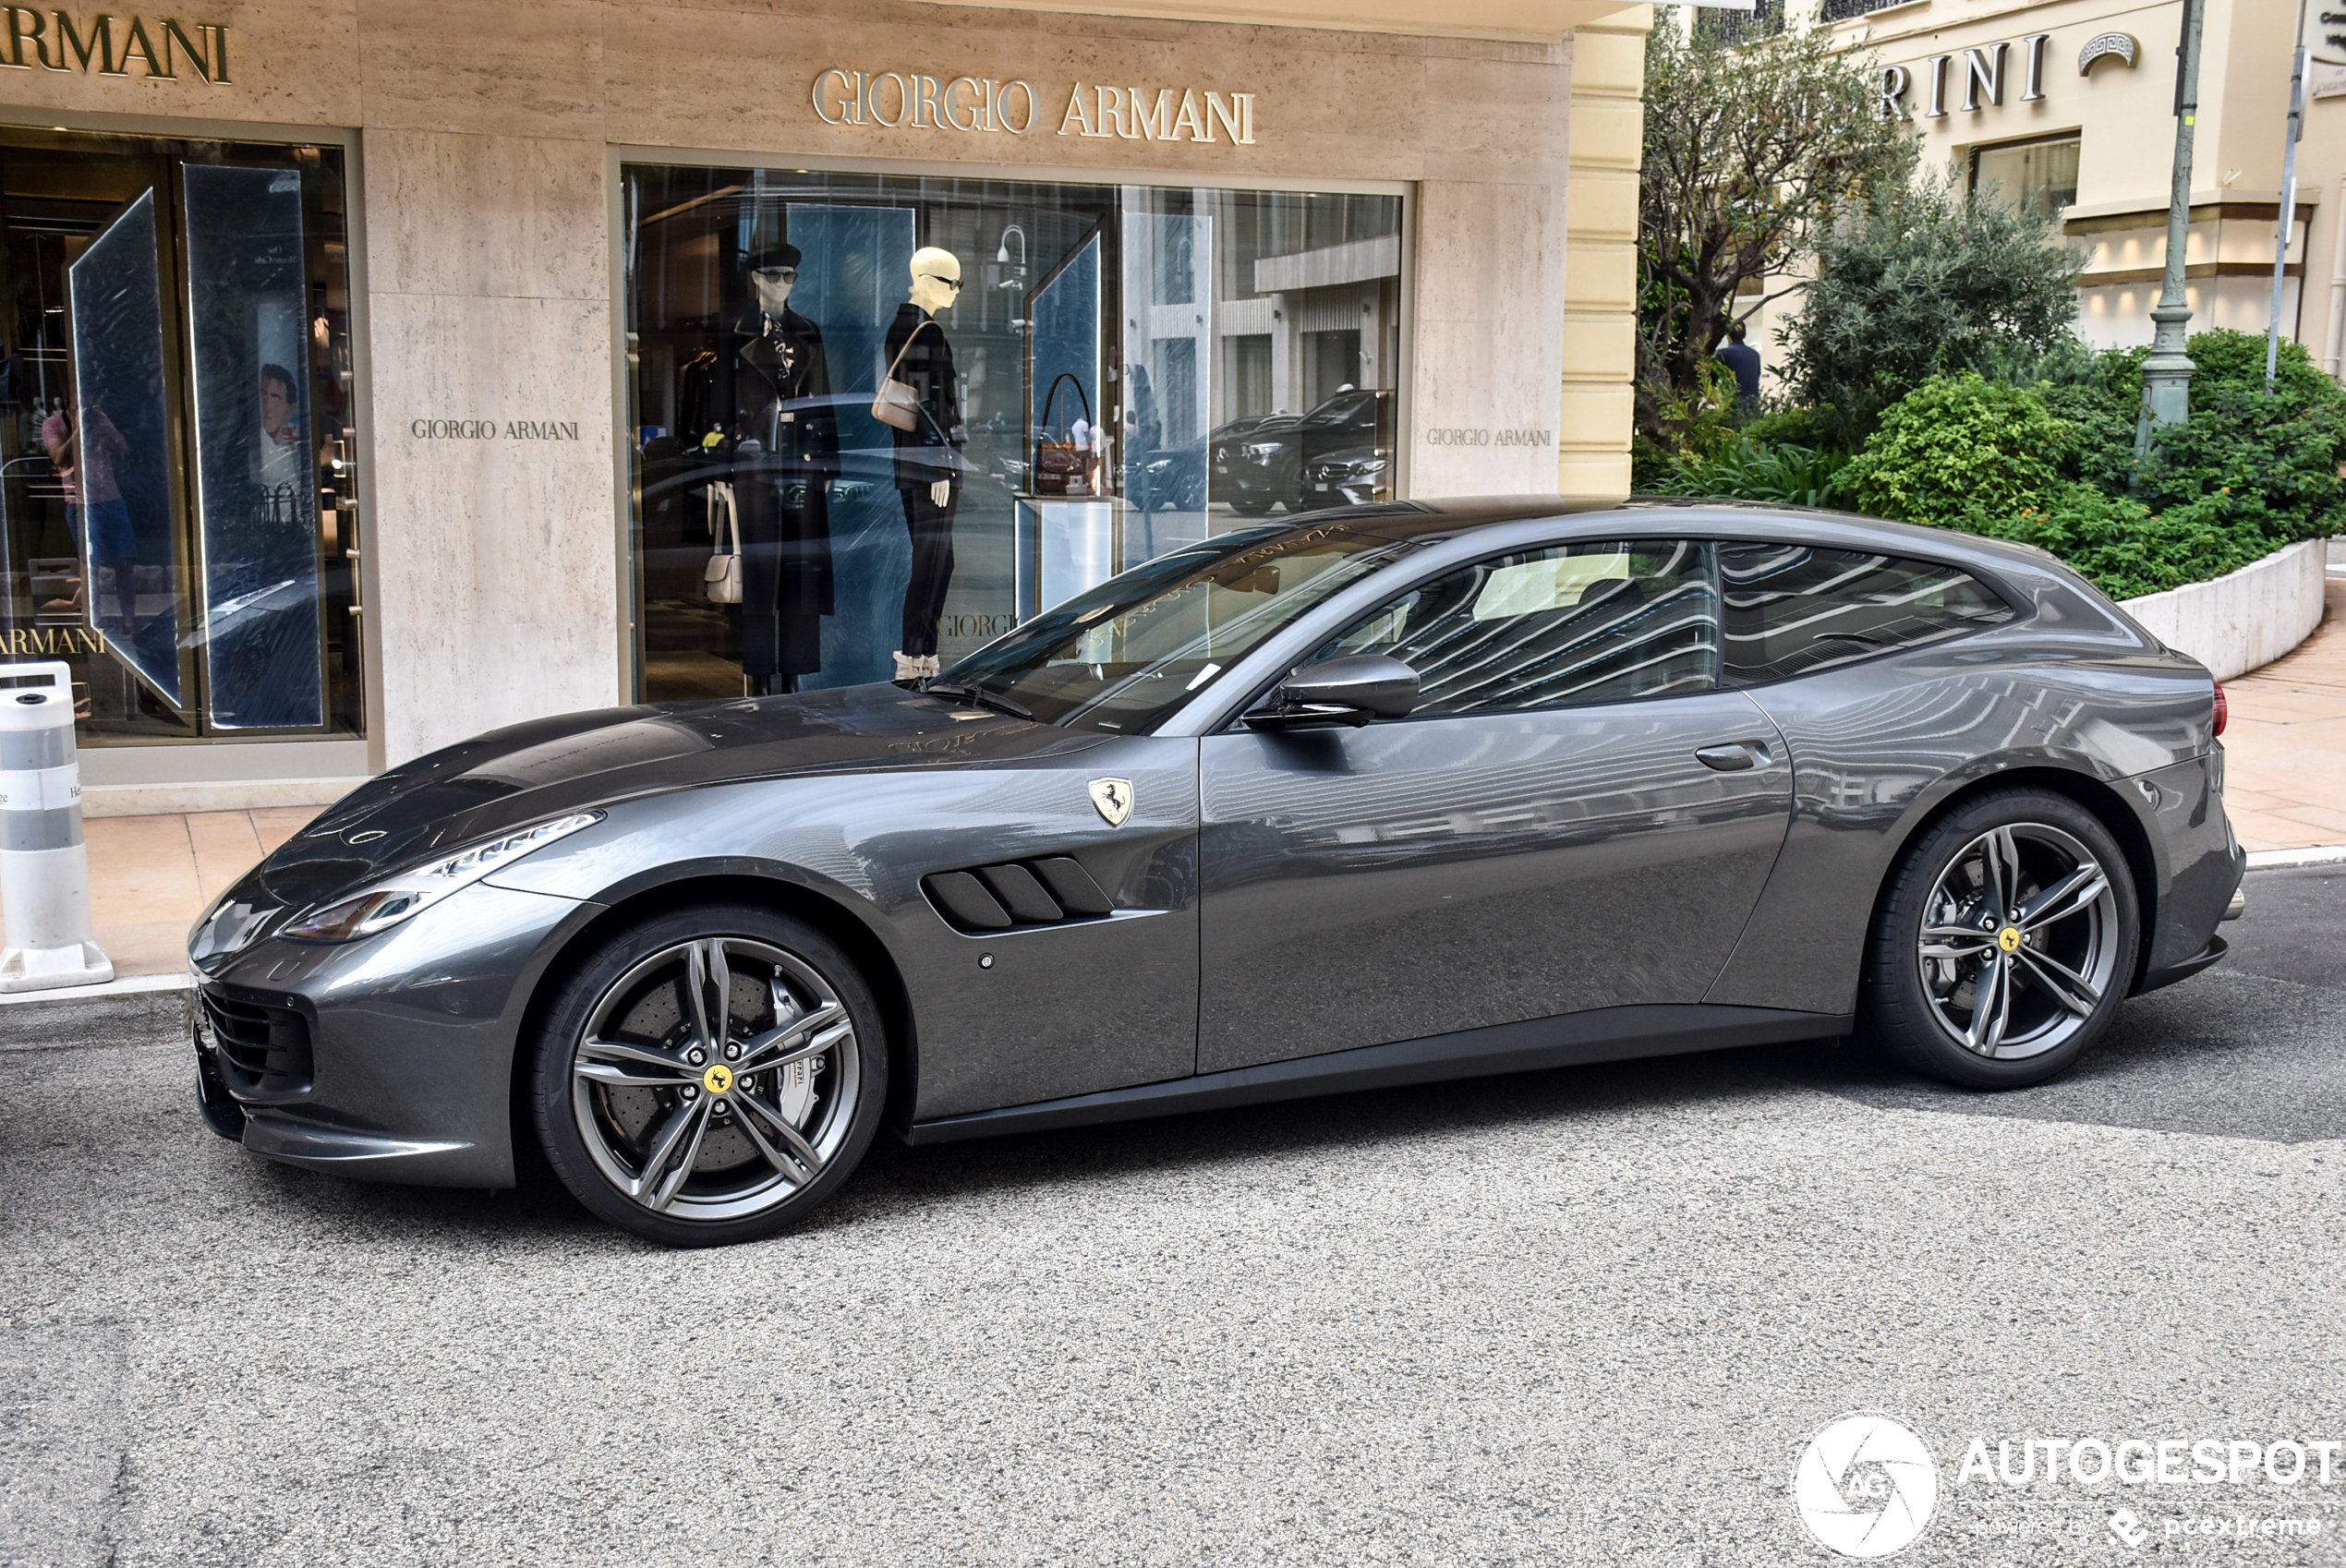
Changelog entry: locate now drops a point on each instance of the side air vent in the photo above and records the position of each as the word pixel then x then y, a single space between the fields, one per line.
pixel 1017 892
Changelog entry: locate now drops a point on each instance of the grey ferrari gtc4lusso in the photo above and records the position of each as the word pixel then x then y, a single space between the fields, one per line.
pixel 1384 795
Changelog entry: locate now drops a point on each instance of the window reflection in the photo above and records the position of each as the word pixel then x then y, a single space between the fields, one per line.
pixel 1093 376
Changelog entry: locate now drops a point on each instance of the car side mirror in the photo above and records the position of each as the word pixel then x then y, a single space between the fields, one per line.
pixel 1352 689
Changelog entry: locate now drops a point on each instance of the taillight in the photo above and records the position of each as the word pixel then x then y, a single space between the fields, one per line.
pixel 2223 708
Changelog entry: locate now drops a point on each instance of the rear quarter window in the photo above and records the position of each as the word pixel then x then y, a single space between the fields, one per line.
pixel 1789 610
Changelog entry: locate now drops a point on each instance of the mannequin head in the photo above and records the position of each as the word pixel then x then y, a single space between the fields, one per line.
pixel 936 279
pixel 773 272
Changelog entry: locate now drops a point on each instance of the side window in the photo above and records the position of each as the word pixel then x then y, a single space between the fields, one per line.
pixel 1792 608
pixel 1591 622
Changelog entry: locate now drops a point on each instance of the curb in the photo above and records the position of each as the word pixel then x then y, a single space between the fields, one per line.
pixel 140 1009
pixel 2276 860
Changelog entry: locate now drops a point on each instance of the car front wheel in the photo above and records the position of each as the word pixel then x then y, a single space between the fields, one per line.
pixel 2004 943
pixel 709 1075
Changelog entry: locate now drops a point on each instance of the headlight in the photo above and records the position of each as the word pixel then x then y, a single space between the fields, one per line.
pixel 1262 451
pixel 406 894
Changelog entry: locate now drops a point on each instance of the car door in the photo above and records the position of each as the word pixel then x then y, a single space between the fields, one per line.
pixel 1575 815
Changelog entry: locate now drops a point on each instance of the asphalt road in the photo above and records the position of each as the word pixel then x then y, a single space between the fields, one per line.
pixel 1587 1316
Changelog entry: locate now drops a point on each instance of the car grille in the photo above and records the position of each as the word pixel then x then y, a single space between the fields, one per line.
pixel 262 1050
pixel 1051 892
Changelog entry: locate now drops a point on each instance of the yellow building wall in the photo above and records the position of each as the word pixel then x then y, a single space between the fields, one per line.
pixel 1595 414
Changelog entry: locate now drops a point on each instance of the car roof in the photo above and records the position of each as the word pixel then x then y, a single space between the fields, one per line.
pixel 1426 521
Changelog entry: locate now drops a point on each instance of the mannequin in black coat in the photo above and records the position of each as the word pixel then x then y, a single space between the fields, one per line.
pixel 767 395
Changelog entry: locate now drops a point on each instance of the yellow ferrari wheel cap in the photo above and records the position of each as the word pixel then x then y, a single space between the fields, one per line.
pixel 717 1078
pixel 2009 939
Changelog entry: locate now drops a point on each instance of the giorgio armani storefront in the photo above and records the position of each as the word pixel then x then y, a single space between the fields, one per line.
pixel 372 378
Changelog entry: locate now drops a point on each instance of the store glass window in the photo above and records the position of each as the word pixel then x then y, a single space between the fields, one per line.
pixel 175 443
pixel 880 420
pixel 2032 176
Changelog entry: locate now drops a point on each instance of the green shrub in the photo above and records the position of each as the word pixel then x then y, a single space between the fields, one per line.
pixel 1781 473
pixel 2052 464
pixel 1960 445
pixel 2119 545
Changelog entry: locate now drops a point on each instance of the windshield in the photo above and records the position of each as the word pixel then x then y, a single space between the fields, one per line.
pixel 1124 655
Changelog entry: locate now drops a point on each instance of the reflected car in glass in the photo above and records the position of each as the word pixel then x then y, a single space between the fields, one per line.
pixel 1386 795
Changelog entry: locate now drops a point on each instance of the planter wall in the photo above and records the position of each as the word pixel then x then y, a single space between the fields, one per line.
pixel 2244 619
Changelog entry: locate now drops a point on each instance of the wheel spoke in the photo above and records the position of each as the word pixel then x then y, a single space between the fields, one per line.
pixel 610 1061
pixel 2070 988
pixel 2072 894
pixel 1953 942
pixel 695 984
pixel 2002 858
pixel 830 1019
pixel 721 984
pixel 682 1168
pixel 786 1165
pixel 1991 1006
pixel 682 1121
pixel 619 1077
pixel 799 1149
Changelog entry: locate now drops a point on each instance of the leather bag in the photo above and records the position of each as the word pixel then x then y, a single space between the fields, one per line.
pixel 721 579
pixel 898 403
pixel 1061 468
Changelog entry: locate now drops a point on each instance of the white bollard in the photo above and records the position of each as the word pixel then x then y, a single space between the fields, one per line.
pixel 45 866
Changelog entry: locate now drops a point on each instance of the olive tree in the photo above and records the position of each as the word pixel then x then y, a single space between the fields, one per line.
pixel 1749 150
pixel 1927 278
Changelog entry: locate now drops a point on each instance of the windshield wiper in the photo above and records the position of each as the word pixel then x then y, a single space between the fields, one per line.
pixel 981 697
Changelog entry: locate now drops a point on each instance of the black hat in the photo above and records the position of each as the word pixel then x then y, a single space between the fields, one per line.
pixel 774 253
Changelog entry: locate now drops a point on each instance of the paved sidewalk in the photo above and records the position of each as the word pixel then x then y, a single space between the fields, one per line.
pixel 150 876
pixel 2285 763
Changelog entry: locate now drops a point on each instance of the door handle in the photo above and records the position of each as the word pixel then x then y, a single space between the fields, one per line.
pixel 1733 757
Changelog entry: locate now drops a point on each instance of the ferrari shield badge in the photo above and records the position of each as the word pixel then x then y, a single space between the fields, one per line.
pixel 1114 797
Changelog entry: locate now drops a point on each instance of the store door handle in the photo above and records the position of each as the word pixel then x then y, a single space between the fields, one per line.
pixel 1734 757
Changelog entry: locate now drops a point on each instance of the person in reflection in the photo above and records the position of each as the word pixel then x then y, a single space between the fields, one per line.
pixel 95 510
pixel 286 468
pixel 928 465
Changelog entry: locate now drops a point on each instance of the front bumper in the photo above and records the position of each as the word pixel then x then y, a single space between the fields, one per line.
pixel 391 1057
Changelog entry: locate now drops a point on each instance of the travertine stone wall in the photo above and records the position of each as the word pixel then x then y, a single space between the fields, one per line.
pixel 495 569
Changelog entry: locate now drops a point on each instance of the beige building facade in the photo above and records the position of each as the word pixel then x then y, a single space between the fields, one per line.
pixel 384 373
pixel 2069 104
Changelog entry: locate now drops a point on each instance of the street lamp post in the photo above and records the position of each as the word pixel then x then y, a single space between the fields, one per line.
pixel 2288 197
pixel 2166 373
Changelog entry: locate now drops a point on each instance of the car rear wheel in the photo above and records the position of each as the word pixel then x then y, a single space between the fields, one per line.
pixel 2004 943
pixel 709 1075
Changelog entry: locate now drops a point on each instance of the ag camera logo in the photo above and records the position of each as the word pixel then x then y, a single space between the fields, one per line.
pixel 1866 1486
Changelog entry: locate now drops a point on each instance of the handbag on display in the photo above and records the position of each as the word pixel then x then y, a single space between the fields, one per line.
pixel 721 579
pixel 898 403
pixel 1062 467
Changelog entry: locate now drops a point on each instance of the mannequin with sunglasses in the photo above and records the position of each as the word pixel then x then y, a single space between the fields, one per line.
pixel 761 407
pixel 928 459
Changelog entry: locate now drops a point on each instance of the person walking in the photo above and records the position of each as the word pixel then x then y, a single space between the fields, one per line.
pixel 1743 360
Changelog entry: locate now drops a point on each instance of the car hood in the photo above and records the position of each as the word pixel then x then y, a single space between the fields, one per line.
pixel 510 779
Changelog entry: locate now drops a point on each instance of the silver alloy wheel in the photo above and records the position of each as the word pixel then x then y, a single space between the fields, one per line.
pixel 715 1079
pixel 2019 941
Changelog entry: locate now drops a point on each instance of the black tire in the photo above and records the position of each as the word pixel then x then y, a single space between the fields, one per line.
pixel 730 1171
pixel 1252 508
pixel 1941 941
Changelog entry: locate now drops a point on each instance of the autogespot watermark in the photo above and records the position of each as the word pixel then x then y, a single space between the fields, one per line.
pixel 1868 1486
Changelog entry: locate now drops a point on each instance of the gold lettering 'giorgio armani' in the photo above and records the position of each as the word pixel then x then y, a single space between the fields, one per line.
pixel 915 100
pixel 107 45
